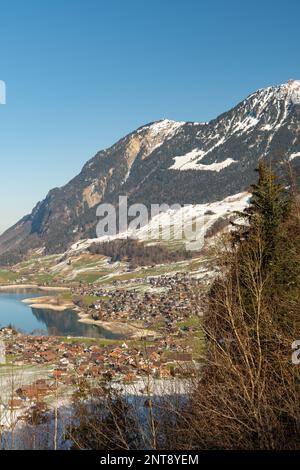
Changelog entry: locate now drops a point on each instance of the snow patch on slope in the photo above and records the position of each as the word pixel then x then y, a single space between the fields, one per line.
pixel 290 90
pixel 202 215
pixel 190 161
pixel 216 166
pixel 165 128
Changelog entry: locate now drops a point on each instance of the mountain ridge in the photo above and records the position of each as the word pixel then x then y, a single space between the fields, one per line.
pixel 166 162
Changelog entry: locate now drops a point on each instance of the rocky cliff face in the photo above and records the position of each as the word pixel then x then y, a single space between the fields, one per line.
pixel 167 162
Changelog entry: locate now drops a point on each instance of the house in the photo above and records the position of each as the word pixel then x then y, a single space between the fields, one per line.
pixel 15 404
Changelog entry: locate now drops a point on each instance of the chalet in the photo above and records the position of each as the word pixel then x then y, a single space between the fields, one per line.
pixel 15 404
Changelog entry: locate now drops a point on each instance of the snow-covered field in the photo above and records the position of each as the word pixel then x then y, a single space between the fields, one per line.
pixel 187 221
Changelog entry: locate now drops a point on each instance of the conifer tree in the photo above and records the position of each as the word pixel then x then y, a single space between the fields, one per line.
pixel 269 205
pixel 248 395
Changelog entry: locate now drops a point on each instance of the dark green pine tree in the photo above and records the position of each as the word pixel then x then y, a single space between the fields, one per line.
pixel 269 206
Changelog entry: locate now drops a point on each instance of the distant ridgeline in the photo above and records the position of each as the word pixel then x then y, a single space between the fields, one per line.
pixel 167 162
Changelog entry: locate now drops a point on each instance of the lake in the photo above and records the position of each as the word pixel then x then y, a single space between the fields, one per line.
pixel 44 321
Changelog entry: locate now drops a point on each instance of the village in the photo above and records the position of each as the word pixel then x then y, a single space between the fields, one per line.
pixel 170 307
pixel 71 362
pixel 168 302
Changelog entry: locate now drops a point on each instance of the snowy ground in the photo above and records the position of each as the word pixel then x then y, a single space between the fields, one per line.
pixel 186 223
pixel 12 378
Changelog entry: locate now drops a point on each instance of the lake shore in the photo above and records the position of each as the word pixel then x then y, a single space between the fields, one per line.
pixel 126 329
pixel 49 303
pixel 61 305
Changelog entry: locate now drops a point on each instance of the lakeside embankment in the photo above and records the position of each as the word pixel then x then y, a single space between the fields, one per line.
pixel 125 329
pixel 50 303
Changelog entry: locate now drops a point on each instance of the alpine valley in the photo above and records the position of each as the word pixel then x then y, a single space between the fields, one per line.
pixel 126 314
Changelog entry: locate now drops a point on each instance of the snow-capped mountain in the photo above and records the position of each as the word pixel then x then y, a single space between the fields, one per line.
pixel 167 162
pixel 266 111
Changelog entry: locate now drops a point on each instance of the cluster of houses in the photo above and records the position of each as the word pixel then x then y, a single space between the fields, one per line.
pixel 69 362
pixel 165 306
pixel 170 300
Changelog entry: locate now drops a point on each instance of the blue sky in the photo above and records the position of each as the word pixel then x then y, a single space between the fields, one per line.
pixel 82 73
